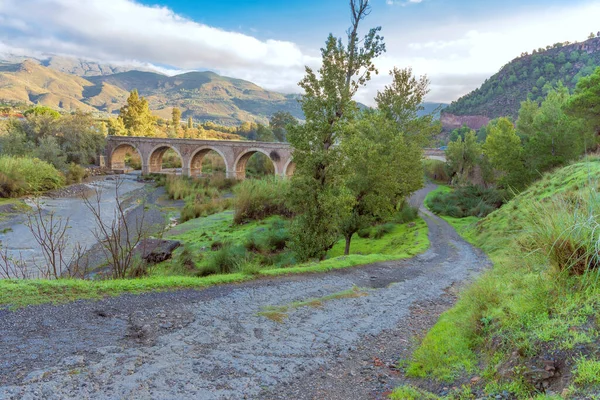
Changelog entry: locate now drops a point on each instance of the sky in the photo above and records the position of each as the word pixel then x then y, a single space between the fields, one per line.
pixel 456 43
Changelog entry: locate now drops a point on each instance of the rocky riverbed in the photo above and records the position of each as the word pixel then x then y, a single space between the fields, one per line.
pixel 217 343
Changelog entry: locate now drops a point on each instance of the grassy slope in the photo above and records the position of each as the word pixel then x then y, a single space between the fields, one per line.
pixel 521 310
pixel 403 242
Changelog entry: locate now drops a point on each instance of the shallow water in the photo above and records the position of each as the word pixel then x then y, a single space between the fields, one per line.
pixel 20 242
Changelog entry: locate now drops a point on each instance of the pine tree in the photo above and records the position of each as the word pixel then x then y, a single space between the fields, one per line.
pixel 136 116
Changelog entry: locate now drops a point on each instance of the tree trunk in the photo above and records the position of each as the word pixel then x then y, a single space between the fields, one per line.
pixel 347 249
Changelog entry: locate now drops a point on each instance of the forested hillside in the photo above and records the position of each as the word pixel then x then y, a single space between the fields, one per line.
pixel 530 76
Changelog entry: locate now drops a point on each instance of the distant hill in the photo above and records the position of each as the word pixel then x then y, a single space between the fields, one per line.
pixel 529 75
pixel 204 96
pixel 434 108
pixel 31 83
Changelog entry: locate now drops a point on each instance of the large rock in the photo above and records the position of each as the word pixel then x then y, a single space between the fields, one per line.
pixel 154 251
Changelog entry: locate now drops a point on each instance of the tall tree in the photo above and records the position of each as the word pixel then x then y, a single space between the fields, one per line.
pixel 176 120
pixel 585 102
pixel 136 116
pixel 318 195
pixel 504 152
pixel 462 155
pixel 279 123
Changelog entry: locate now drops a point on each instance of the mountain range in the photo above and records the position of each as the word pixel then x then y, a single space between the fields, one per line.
pixel 70 84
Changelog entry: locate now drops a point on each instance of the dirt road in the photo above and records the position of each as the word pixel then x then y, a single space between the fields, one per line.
pixel 213 344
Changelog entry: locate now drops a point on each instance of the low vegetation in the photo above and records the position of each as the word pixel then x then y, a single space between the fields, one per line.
pixel 538 307
pixel 465 201
pixel 22 175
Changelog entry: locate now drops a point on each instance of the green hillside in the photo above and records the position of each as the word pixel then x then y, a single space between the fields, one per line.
pixel 530 75
pixel 537 309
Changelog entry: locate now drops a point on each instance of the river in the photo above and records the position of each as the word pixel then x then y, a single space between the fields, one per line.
pixel 20 244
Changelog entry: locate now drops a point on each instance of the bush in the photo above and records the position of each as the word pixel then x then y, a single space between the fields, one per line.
pixel 381 230
pixel 75 173
pixel 466 201
pixel 406 213
pixel 259 199
pixel 198 209
pixel 227 259
pixel 22 175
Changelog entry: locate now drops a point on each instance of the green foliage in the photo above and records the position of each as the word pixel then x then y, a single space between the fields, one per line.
pixel 318 195
pixel 42 110
pixel 20 176
pixel 407 392
pixel 226 260
pixel 587 371
pixel 280 122
pixel 465 201
pixel 502 94
pixel 136 117
pixel 75 173
pixel 436 171
pixel 504 151
pixel 527 303
pixel 585 103
pixel 259 199
pixel 462 156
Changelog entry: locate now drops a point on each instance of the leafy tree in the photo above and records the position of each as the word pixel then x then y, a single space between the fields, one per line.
pixel 116 127
pixel 591 35
pixel 553 138
pixel 459 133
pixel 176 121
pixel 279 123
pixel 504 151
pixel 136 116
pixel 190 123
pixel 462 156
pixel 585 102
pixel 525 123
pixel 264 134
pixel 49 150
pixel 318 195
pixel 42 110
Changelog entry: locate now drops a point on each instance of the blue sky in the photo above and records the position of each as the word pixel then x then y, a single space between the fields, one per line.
pixel 458 44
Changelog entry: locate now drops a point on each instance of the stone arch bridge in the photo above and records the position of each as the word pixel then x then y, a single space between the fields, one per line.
pixel 235 154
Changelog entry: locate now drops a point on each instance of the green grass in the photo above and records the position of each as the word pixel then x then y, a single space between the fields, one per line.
pixel 587 372
pixel 20 176
pixel 280 313
pixel 198 236
pixel 407 392
pixel 404 239
pixel 531 300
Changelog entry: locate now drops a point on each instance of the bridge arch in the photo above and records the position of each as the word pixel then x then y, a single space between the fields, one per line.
pixel 289 169
pixel 195 163
pixel 118 154
pixel 155 156
pixel 239 166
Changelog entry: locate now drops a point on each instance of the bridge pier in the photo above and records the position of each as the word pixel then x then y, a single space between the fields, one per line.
pixel 235 154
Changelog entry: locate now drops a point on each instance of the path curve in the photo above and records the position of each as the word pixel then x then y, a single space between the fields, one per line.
pixel 211 344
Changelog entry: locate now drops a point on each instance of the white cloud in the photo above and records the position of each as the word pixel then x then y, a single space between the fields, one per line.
pixel 458 56
pixel 123 30
pixel 457 53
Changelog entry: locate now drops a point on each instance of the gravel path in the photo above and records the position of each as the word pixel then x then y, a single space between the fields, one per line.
pixel 211 344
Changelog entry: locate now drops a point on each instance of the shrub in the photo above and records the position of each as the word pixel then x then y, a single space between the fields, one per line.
pixel 466 201
pixel 259 199
pixel 22 175
pixel 406 213
pixel 226 260
pixel 364 233
pixel 75 173
pixel 197 208
pixel 381 230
